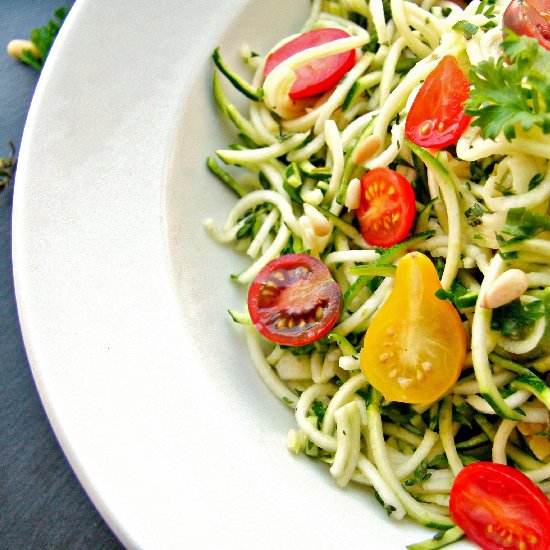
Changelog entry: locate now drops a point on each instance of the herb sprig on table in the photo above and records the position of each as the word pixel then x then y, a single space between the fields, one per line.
pixel 34 52
pixel 7 167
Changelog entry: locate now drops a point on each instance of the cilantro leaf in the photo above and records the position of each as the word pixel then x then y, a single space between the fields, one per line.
pixel 512 91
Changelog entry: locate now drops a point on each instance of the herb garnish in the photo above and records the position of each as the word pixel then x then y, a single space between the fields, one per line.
pixel 512 91
pixel 7 167
pixel 43 38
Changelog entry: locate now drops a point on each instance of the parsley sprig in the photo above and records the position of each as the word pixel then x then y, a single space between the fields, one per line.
pixel 43 38
pixel 512 91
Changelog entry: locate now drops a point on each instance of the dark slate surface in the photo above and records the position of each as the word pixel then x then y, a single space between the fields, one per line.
pixel 42 505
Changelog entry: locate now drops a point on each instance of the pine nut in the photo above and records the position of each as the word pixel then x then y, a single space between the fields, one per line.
pixel 352 200
pixel 367 149
pixel 17 47
pixel 507 287
pixel 320 225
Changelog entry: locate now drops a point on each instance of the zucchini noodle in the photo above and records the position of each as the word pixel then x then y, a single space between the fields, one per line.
pixel 482 209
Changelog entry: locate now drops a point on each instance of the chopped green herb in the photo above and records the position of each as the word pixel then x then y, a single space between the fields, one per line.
pixel 388 507
pixel 535 181
pixel 524 224
pixel 458 295
pixel 420 475
pixel 319 410
pixel 474 214
pixel 513 318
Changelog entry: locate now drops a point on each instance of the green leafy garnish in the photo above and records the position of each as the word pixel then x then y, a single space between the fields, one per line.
pixel 420 474
pixel 7 167
pixel 319 410
pixel 43 38
pixel 512 91
pixel 511 319
pixel 474 214
pixel 525 224
pixel 458 295
pixel 388 507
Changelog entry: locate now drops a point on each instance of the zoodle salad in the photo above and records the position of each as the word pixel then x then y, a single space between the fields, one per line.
pixel 392 180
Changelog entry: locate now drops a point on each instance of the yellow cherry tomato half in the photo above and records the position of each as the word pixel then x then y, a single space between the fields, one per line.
pixel 415 347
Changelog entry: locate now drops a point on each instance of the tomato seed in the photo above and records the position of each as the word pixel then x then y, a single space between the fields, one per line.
pixel 426 128
pixel 404 382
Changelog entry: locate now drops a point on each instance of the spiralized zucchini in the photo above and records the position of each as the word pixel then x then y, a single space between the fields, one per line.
pixel 291 166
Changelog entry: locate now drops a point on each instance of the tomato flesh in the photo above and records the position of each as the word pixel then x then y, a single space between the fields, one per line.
pixel 437 118
pixel 415 346
pixel 529 18
pixel 499 507
pixel 387 208
pixel 319 75
pixel 294 300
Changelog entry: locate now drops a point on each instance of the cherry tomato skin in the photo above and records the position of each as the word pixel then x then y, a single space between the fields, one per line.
pixel 499 507
pixel 317 76
pixel 294 300
pixel 415 346
pixel 529 18
pixel 387 208
pixel 437 118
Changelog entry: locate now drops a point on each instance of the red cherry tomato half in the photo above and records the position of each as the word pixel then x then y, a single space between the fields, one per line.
pixel 499 507
pixel 529 18
pixel 387 208
pixel 436 118
pixel 294 300
pixel 317 76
